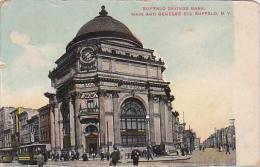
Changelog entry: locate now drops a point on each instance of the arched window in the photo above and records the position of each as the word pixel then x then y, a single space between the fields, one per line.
pixel 91 129
pixel 133 123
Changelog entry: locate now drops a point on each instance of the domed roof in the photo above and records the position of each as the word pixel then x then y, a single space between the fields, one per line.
pixel 106 26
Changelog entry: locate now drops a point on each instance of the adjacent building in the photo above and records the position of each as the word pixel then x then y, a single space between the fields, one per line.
pixel 46 130
pixel 177 131
pixel 222 137
pixel 26 125
pixel 5 126
pixel 33 124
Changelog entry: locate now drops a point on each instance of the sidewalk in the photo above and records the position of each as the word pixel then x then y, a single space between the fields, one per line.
pixel 128 160
pixel 162 158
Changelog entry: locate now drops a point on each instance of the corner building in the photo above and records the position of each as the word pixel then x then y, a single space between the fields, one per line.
pixel 109 90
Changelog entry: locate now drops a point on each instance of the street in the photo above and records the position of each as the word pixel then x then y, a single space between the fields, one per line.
pixel 211 157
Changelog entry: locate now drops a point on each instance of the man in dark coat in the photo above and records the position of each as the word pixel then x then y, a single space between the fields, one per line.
pixel 77 155
pixel 135 157
pixel 149 152
pixel 57 156
pixel 115 156
pixel 227 151
pixel 85 157
pixel 40 160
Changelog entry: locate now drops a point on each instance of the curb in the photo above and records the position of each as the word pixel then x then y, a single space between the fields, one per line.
pixel 161 160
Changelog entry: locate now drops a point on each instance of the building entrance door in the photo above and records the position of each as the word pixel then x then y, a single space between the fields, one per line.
pixel 92 144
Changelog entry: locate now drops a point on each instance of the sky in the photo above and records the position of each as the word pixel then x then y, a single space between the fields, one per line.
pixel 198 51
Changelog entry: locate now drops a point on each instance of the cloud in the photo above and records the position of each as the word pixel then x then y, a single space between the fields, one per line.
pixel 19 38
pixel 33 56
pixel 3 3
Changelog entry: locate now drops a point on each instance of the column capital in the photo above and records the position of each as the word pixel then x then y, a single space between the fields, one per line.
pixel 115 94
pixel 150 96
pixel 75 95
pixel 101 93
pixel 164 98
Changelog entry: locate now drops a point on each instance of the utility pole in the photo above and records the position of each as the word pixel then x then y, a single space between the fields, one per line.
pixel 183 117
pixel 107 138
pixel 2 66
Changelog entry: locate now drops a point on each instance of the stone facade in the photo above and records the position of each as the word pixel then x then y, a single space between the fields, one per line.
pixel 33 124
pixel 109 91
pixel 222 137
pixel 5 126
pixel 25 126
pixel 46 130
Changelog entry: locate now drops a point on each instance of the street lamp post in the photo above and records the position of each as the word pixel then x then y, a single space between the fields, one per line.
pixel 148 127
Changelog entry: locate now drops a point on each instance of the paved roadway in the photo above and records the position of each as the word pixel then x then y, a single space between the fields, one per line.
pixel 210 157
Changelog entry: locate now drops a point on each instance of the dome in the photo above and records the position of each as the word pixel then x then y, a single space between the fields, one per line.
pixel 104 26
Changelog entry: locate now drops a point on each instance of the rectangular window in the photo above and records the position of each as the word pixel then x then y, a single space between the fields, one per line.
pixel 129 124
pixel 139 124
pixel 134 139
pixel 123 124
pixel 90 104
pixel 134 124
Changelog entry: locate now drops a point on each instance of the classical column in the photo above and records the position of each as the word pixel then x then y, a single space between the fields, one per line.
pixel 78 129
pixel 151 113
pixel 102 122
pixel 52 121
pixel 170 124
pixel 162 118
pixel 72 124
pixel 57 127
pixel 116 119
pixel 61 134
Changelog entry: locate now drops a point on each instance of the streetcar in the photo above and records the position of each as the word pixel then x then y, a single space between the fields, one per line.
pixel 6 155
pixel 27 154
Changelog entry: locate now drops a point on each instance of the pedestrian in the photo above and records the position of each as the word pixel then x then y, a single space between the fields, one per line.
pixel 72 155
pixel 85 156
pixel 40 160
pixel 102 155
pixel 108 155
pixel 182 152
pixel 52 156
pixel 227 150
pixel 67 156
pixel 57 156
pixel 92 153
pixel 149 152
pixel 115 157
pixel 45 156
pixel 77 155
pixel 135 157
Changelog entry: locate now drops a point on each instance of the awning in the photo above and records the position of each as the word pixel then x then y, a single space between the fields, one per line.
pixel 34 144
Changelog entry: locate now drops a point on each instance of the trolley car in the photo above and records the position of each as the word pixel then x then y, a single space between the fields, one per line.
pixel 27 154
pixel 6 155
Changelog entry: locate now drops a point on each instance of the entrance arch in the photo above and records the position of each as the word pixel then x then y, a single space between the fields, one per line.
pixel 91 139
pixel 133 122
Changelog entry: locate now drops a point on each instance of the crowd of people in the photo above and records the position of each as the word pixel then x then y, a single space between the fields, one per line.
pixel 65 156
pixel 114 157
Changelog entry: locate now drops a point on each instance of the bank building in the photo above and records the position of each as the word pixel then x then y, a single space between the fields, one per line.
pixel 109 91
